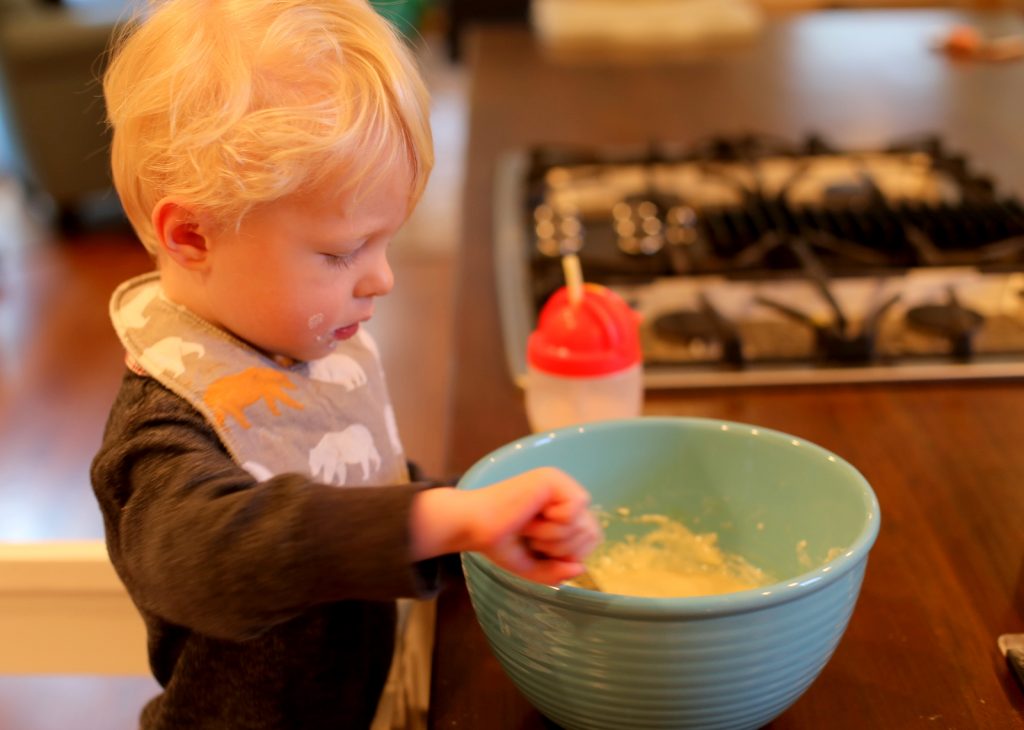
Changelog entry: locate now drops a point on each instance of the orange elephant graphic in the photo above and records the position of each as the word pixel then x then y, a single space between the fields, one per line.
pixel 232 394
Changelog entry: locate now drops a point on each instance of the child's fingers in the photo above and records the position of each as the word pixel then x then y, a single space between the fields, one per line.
pixel 565 508
pixel 518 557
pixel 547 530
pixel 543 529
pixel 553 572
pixel 523 560
pixel 576 540
pixel 568 497
pixel 575 544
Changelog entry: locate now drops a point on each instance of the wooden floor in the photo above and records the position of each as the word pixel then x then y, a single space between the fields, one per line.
pixel 60 365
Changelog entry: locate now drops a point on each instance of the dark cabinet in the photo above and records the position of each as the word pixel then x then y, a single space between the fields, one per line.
pixel 463 13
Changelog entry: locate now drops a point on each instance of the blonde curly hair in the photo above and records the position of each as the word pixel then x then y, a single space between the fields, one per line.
pixel 227 104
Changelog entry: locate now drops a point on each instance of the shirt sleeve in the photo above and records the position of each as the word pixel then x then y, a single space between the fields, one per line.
pixel 199 542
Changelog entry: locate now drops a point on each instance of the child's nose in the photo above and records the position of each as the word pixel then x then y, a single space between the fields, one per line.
pixel 378 280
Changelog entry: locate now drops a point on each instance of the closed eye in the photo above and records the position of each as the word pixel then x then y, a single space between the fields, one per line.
pixel 340 261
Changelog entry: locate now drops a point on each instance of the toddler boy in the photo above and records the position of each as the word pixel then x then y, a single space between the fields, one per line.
pixel 255 493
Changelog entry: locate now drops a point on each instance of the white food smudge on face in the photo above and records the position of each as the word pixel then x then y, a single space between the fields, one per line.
pixel 325 339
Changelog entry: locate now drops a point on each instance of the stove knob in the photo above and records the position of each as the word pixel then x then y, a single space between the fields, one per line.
pixel 558 230
pixel 638 227
pixel 681 225
pixel 545 230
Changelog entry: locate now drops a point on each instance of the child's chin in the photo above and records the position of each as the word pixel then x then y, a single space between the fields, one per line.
pixel 289 356
pixel 322 350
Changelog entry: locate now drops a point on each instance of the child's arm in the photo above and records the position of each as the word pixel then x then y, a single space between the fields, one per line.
pixel 536 524
pixel 200 543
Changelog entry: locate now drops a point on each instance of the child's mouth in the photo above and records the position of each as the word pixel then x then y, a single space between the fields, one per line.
pixel 344 333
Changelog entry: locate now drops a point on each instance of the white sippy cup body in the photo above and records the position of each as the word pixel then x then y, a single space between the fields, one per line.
pixel 584 361
pixel 553 401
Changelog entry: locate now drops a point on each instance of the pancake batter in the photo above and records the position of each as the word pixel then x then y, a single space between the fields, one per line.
pixel 671 561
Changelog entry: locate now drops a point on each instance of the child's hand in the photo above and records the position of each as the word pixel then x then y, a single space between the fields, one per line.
pixel 536 524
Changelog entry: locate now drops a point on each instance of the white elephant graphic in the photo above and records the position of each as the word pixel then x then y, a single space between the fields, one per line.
pixel 392 427
pixel 368 342
pixel 133 314
pixel 339 369
pixel 338 449
pixel 168 354
pixel 259 472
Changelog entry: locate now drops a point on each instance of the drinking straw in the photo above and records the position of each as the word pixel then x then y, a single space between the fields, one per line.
pixel 573 277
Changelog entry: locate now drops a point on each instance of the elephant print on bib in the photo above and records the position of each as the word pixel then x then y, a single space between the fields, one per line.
pixel 259 472
pixel 230 395
pixel 339 369
pixel 169 354
pixel 364 339
pixel 133 313
pixel 330 458
pixel 391 424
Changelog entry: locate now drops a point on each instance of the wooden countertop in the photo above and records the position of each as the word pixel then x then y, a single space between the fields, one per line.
pixel 946 460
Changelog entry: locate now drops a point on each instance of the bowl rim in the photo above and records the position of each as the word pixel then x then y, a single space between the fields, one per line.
pixel 648 608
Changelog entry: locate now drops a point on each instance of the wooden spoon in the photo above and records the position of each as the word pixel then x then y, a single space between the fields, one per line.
pixel 586 581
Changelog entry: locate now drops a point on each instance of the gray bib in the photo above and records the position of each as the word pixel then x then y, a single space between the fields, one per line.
pixel 329 418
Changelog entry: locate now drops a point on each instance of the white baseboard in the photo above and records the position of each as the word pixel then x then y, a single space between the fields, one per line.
pixel 63 610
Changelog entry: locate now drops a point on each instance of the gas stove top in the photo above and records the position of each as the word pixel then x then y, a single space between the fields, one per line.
pixel 755 260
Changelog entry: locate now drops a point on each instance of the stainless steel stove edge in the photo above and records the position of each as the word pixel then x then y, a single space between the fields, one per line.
pixel 511 266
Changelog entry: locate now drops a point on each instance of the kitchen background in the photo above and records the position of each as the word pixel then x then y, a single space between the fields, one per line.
pixel 63 248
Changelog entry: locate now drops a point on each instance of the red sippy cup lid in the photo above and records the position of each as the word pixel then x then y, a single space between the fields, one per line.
pixel 596 336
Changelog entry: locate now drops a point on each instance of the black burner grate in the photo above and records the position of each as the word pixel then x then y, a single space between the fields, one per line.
pixel 853 230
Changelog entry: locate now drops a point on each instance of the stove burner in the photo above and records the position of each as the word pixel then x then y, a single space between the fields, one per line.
pixel 835 342
pixel 952 321
pixel 686 326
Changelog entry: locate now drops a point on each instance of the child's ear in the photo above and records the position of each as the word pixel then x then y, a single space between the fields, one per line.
pixel 180 234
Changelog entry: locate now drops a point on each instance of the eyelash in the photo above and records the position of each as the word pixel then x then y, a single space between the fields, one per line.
pixel 339 262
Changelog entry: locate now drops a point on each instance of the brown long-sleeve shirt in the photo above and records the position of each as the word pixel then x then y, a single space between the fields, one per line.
pixel 268 605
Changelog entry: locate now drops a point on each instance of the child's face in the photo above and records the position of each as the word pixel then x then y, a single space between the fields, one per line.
pixel 299 275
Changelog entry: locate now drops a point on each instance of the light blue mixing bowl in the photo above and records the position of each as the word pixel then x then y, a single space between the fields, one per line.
pixel 589 660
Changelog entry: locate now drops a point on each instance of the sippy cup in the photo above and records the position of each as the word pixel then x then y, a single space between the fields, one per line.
pixel 583 359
